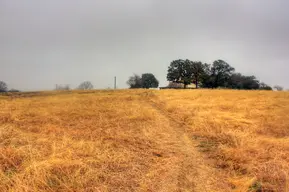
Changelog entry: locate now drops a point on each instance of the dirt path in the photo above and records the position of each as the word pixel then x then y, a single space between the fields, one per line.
pixel 194 173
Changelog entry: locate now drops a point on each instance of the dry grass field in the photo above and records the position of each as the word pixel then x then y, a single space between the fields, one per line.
pixel 145 140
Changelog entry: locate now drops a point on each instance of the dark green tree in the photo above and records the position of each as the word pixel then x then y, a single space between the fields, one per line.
pixel 149 81
pixel 197 70
pixel 180 71
pixel 220 73
pixel 250 82
pixel 239 81
pixel 134 82
pixel 3 86
pixel 236 81
pixel 206 77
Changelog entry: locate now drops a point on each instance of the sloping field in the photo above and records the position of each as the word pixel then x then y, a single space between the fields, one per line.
pixel 141 140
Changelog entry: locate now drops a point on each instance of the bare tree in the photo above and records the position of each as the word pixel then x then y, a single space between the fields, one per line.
pixel 3 86
pixel 87 85
pixel 278 88
pixel 134 81
pixel 62 87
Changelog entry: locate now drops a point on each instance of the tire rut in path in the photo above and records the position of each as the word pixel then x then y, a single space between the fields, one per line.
pixel 194 173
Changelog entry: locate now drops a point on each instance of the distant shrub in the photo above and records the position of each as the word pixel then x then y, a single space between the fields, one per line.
pixel 13 90
pixel 264 86
pixel 62 87
pixel 278 88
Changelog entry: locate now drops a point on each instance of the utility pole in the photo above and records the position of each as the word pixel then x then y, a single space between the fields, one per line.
pixel 115 82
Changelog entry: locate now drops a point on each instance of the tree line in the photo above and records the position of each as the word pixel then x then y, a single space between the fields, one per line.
pixel 181 72
pixel 86 85
pixel 219 74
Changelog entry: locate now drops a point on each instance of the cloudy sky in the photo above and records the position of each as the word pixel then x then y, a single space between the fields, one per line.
pixel 43 43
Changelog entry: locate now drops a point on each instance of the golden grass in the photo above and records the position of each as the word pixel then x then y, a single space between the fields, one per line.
pixel 140 140
pixel 246 133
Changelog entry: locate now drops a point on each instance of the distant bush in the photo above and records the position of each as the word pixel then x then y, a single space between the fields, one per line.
pixel 264 86
pixel 278 88
pixel 62 88
pixel 13 90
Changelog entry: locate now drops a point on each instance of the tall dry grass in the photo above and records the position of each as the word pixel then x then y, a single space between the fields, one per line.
pixel 245 133
pixel 86 141
pixel 145 141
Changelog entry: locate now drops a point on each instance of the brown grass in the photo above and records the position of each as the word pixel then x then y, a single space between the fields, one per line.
pixel 171 140
pixel 246 133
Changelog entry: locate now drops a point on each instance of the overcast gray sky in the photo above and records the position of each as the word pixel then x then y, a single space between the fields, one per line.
pixel 43 43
